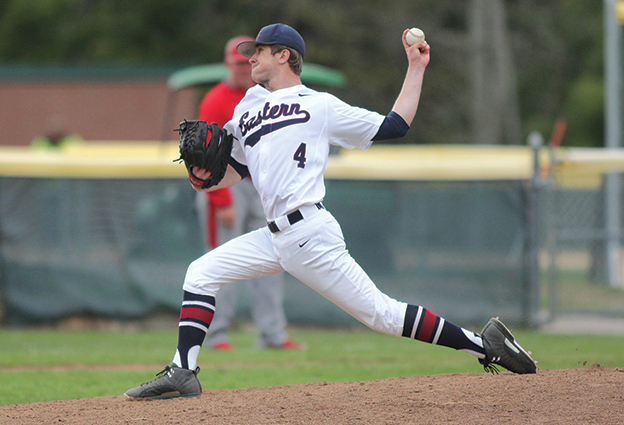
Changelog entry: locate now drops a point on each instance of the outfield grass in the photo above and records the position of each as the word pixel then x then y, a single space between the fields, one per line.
pixel 43 365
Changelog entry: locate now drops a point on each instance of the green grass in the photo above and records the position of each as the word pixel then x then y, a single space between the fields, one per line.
pixel 43 365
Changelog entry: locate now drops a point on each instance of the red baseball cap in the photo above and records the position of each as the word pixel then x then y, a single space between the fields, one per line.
pixel 231 53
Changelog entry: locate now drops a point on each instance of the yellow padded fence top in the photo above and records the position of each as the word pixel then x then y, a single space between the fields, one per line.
pixel 432 162
pixel 94 160
pixel 126 159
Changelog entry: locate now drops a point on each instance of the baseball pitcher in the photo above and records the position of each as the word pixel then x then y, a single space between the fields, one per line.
pixel 280 135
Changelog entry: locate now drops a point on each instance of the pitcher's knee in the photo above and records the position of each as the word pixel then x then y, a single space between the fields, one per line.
pixel 198 279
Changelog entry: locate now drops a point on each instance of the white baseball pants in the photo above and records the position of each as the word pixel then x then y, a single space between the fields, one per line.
pixel 312 250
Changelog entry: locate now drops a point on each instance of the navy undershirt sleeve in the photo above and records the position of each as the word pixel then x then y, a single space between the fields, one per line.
pixel 392 127
pixel 240 168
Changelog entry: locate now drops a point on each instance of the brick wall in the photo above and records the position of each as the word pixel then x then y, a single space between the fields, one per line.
pixel 105 109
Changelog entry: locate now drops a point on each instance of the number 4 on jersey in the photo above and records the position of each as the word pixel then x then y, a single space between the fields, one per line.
pixel 300 155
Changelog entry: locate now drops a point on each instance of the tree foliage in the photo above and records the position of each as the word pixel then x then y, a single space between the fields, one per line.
pixel 556 45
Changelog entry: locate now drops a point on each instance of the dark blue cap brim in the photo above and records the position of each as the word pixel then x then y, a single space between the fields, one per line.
pixel 247 48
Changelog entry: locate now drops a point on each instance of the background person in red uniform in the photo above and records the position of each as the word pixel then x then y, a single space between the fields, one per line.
pixel 227 213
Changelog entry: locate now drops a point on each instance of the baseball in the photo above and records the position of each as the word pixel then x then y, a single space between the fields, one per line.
pixel 415 35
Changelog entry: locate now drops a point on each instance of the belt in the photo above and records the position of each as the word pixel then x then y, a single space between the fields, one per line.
pixel 296 216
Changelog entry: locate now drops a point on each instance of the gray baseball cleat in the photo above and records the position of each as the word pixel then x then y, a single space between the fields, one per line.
pixel 172 382
pixel 502 349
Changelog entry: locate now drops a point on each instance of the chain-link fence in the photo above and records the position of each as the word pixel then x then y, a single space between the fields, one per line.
pixel 469 232
pixel 119 248
pixel 579 194
pixel 576 260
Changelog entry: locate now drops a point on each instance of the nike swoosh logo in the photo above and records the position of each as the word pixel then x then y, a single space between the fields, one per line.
pixel 302 244
pixel 304 94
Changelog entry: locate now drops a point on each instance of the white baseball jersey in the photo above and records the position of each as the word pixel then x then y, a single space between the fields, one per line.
pixel 283 138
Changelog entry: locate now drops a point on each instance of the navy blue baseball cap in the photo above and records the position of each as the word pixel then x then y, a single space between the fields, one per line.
pixel 274 34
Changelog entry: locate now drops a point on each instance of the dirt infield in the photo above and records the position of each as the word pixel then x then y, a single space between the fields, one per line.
pixel 572 396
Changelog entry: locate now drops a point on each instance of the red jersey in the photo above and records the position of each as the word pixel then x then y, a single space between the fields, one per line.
pixel 218 106
pixel 219 103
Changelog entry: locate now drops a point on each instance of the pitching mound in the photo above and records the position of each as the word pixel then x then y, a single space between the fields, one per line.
pixel 572 396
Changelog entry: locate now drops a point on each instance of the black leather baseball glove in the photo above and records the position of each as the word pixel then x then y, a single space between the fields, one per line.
pixel 209 152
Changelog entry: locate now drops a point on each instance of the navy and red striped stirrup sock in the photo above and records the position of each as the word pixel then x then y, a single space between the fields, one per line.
pixel 423 325
pixel 195 317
